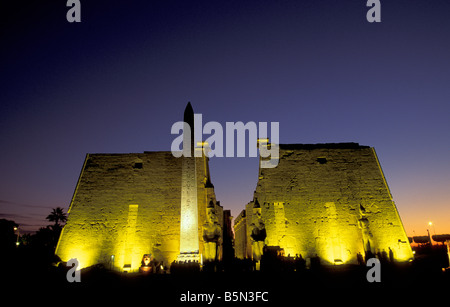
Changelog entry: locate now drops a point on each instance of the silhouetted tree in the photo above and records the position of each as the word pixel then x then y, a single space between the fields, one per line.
pixel 57 215
pixel 46 237
pixel 8 235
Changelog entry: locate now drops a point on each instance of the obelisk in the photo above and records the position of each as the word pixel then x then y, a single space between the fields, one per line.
pixel 189 244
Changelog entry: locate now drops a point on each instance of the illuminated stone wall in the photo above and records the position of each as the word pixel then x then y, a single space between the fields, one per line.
pixel 329 200
pixel 240 236
pixel 128 205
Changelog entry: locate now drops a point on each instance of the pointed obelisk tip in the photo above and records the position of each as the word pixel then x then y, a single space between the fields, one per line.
pixel 189 114
pixel 189 107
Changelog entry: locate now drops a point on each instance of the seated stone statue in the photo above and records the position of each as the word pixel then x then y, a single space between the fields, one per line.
pixel 211 234
pixel 258 236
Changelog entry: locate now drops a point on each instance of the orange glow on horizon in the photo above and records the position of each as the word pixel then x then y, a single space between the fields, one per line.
pixel 416 213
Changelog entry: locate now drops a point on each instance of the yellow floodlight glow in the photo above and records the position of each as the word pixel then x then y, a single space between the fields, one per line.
pixel 403 254
pixel 202 144
pixel 85 256
pixel 335 254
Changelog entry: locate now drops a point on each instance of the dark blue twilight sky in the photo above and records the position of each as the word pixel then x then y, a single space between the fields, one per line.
pixel 118 80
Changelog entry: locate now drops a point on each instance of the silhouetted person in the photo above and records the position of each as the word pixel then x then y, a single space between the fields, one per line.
pixel 300 263
pixel 369 255
pixel 391 255
pixel 360 259
pixel 384 256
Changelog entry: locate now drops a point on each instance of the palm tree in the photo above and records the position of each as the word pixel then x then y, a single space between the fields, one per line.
pixel 57 215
